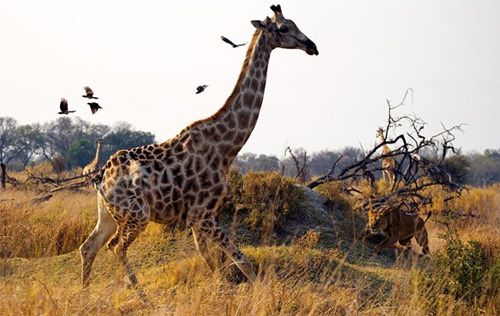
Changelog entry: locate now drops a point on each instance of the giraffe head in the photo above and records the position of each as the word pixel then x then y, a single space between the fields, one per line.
pixel 380 132
pixel 284 33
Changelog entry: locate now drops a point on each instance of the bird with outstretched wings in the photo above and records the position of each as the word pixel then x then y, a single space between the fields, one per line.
pixel 64 107
pixel 200 89
pixel 94 107
pixel 227 40
pixel 89 94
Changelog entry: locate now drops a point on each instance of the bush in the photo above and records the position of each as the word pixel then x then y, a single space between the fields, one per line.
pixel 492 280
pixel 464 271
pixel 266 200
pixel 463 264
pixel 333 192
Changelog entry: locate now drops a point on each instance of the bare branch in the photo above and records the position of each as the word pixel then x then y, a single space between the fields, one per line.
pixel 326 177
pixel 413 171
pixel 301 169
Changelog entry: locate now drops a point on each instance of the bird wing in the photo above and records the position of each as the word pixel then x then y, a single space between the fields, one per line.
pixel 238 45
pixel 225 39
pixel 63 105
pixel 94 107
pixel 89 92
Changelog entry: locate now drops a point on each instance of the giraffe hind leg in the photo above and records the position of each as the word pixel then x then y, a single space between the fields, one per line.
pixel 129 229
pixel 114 240
pixel 103 230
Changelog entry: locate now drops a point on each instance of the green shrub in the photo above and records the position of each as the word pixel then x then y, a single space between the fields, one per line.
pixel 333 192
pixel 492 279
pixel 264 200
pixel 461 266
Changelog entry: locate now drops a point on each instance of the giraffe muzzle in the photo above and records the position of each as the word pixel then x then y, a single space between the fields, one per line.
pixel 311 48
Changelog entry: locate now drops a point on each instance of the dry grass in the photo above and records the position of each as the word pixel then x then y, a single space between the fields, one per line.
pixel 40 267
pixel 44 229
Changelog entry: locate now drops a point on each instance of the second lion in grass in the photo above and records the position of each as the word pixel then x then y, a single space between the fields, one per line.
pixel 397 226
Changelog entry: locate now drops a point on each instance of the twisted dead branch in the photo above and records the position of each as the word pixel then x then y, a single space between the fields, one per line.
pixel 415 171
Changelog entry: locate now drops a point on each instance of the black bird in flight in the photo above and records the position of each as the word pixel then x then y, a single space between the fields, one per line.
pixel 227 40
pixel 64 107
pixel 89 94
pixel 94 107
pixel 200 89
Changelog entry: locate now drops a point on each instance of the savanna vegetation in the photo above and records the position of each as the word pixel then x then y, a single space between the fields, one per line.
pixel 303 244
pixel 65 143
pixel 70 143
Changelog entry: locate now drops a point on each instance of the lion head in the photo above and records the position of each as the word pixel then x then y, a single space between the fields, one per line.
pixel 378 220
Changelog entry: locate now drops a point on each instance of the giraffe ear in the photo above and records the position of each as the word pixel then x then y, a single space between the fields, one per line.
pixel 266 25
pixel 258 25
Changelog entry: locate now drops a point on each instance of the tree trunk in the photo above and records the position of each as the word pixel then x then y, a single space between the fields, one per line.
pixel 2 166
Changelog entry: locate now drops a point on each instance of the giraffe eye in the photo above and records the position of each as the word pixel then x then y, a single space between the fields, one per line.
pixel 283 29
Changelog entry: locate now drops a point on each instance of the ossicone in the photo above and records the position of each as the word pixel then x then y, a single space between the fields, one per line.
pixel 276 9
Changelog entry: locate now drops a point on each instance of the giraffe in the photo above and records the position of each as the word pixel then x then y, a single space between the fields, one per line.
pixel 94 164
pixel 183 180
pixel 388 163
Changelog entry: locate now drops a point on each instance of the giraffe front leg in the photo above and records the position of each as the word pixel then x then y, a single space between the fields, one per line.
pixel 210 229
pixel 201 245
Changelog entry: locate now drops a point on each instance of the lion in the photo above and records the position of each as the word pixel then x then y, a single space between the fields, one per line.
pixel 397 225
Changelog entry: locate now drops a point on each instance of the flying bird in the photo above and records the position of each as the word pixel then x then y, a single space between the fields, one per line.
pixel 89 94
pixel 200 89
pixel 94 107
pixel 64 107
pixel 225 39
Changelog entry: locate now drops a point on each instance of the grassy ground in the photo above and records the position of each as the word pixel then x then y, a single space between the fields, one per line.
pixel 308 264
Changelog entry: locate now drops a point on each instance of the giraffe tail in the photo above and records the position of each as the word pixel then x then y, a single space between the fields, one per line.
pixel 94 179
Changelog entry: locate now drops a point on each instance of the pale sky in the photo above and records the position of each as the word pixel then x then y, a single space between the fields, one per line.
pixel 144 59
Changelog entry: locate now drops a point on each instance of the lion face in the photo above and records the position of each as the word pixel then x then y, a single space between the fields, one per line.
pixel 377 221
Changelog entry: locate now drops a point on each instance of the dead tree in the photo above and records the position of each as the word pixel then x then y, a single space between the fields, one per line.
pixel 41 180
pixel 3 175
pixel 301 166
pixel 413 171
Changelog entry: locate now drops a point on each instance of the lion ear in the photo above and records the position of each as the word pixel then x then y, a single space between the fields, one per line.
pixel 385 211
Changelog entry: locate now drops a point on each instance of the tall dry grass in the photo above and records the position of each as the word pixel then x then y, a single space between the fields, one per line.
pixel 44 229
pixel 40 264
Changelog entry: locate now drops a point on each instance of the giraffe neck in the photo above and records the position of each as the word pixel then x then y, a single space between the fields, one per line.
pixel 96 158
pixel 385 148
pixel 242 108
pixel 229 128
